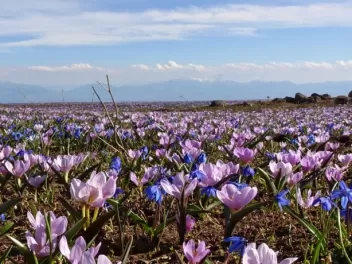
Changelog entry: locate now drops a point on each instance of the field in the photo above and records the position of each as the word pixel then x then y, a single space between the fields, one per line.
pixel 148 183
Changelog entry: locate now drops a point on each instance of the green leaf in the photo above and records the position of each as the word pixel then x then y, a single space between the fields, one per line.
pixel 179 258
pixel 21 248
pixel 6 228
pixel 124 258
pixel 237 217
pixel 9 204
pixel 305 223
pixel 76 214
pixel 75 229
pixel 87 172
pixel 341 238
pixel 140 221
pixel 270 184
pixel 98 224
pixel 4 257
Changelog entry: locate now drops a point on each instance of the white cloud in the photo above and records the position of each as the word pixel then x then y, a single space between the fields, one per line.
pixel 243 31
pixel 142 67
pixel 73 67
pixel 65 23
pixel 78 74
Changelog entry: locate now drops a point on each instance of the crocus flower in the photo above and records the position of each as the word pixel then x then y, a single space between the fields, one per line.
pixel 280 169
pixel 234 198
pixel 294 178
pixel 262 255
pixel 309 200
pixel 95 191
pixel 37 180
pixel 345 159
pixel 179 184
pixel 246 155
pixel 134 154
pixel 79 255
pixel 334 173
pixel 39 243
pixel 19 168
pixel 190 222
pixel 65 163
pixel 195 254
pixel 5 152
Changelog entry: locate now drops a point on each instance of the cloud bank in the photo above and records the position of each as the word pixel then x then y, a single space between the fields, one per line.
pixel 73 23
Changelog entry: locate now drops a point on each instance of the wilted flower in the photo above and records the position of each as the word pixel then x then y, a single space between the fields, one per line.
pixel 195 254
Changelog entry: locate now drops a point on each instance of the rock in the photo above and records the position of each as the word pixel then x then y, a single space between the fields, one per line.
pixel 217 103
pixel 340 100
pixel 316 99
pixel 246 104
pixel 350 94
pixel 290 100
pixel 326 97
pixel 299 97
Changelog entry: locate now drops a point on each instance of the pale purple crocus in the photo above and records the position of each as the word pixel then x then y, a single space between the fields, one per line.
pixel 18 168
pixel 190 222
pixel 39 243
pixel 5 152
pixel 332 146
pixel 179 184
pixel 262 255
pixel 246 155
pixel 309 163
pixel 309 200
pixel 345 159
pixel 235 198
pixel 335 173
pixel 294 178
pixel 195 254
pixel 95 191
pixel 36 181
pixel 134 154
pixel 79 255
pixel 291 157
pixel 65 163
pixel 280 169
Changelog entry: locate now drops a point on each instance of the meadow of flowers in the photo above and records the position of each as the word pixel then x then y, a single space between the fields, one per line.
pixel 87 183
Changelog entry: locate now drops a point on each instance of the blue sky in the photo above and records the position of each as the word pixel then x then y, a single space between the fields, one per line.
pixel 67 43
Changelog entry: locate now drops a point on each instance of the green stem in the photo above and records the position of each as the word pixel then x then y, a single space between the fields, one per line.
pixel 95 215
pixel 66 176
pixel 88 215
pixel 341 238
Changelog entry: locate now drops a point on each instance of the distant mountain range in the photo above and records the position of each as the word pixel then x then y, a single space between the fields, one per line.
pixel 175 90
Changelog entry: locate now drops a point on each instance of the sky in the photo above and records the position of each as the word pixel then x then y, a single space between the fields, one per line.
pixel 61 43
